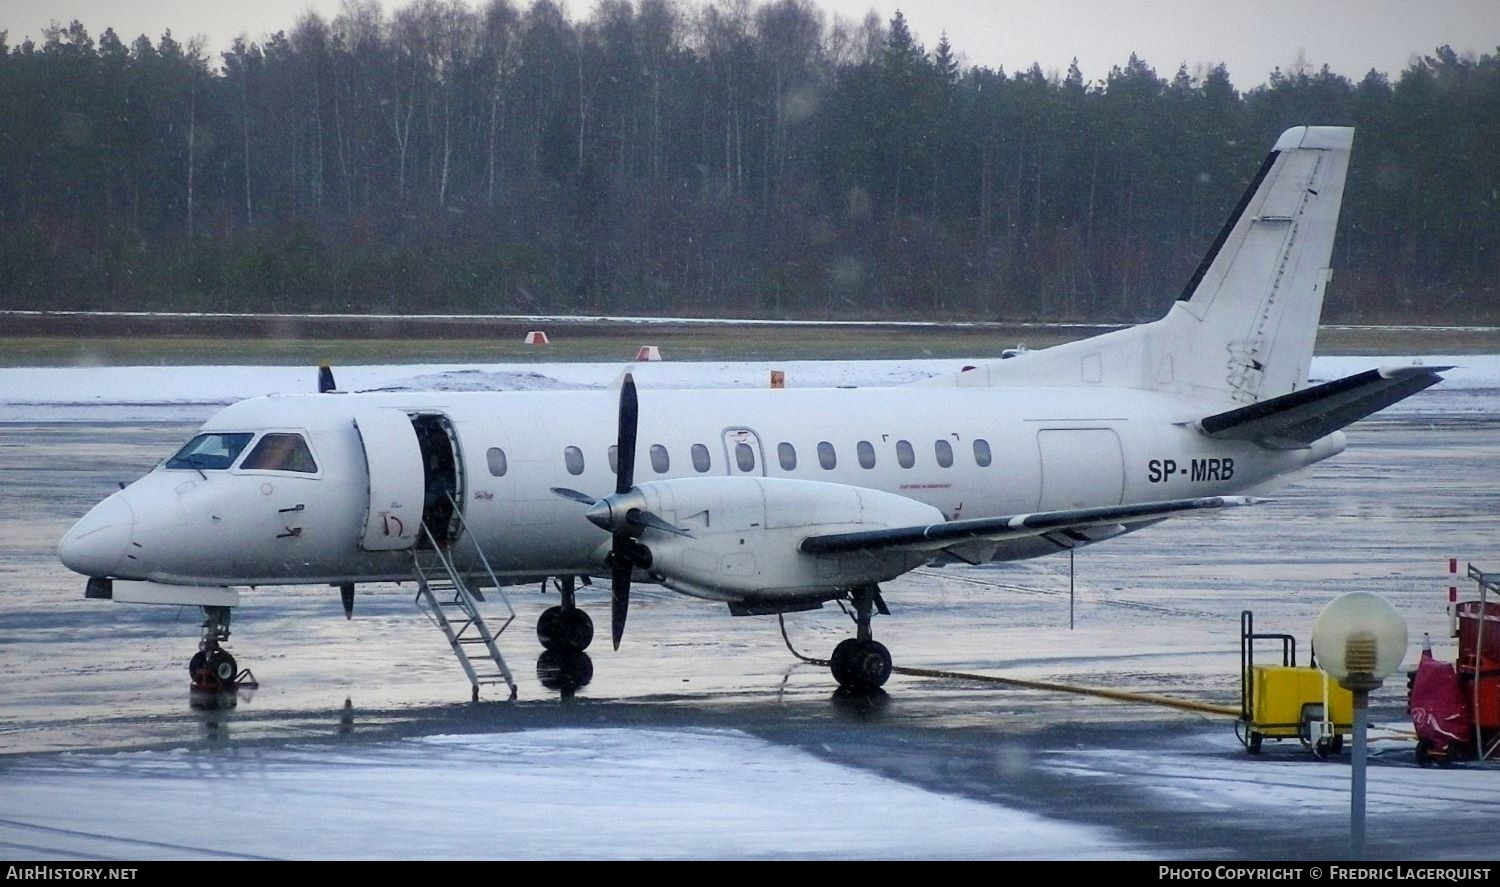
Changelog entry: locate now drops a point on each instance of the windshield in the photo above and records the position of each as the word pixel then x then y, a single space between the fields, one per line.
pixel 214 451
pixel 281 452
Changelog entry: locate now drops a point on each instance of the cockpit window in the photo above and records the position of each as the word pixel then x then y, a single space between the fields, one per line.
pixel 214 451
pixel 281 452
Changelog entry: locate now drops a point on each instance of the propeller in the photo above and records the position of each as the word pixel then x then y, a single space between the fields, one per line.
pixel 624 515
pixel 622 555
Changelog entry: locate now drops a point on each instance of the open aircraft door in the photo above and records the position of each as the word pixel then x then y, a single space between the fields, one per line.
pixel 397 485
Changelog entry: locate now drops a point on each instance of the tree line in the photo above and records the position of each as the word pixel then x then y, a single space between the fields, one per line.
pixel 735 159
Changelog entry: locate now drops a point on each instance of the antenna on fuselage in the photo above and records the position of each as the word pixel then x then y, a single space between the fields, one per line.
pixel 325 378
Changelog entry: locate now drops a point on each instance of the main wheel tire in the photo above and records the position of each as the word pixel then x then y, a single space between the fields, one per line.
pixel 578 630
pixel 860 665
pixel 549 628
pixel 197 663
pixel 872 665
pixel 565 631
pixel 839 662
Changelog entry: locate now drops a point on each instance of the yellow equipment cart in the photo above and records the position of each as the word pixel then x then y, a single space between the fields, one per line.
pixel 1287 701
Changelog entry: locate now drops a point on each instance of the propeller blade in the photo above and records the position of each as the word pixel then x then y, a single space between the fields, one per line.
pixel 629 412
pixel 619 593
pixel 638 519
pixel 325 378
pixel 576 496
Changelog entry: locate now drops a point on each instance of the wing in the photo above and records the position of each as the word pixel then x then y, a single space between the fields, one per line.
pixel 934 537
pixel 1293 421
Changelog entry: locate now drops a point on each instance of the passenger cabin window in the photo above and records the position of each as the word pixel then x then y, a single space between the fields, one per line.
pixel 944 452
pixel 866 454
pixel 573 458
pixel 212 451
pixel 496 459
pixel 701 462
pixel 281 452
pixel 744 457
pixel 660 461
pixel 788 456
pixel 982 452
pixel 826 456
pixel 905 454
pixel 614 459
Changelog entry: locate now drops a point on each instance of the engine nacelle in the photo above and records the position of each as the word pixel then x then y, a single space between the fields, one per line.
pixel 746 533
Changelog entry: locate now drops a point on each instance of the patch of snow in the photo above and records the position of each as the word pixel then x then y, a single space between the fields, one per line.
pixel 194 393
pixel 692 794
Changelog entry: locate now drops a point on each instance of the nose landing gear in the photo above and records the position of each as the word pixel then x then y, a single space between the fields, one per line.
pixel 212 669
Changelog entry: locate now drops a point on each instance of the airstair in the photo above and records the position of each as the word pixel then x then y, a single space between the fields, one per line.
pixel 449 596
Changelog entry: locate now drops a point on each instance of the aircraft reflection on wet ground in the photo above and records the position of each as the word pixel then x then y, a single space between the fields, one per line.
pixel 564 671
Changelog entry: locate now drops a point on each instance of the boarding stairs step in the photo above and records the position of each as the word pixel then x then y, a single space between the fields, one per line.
pixel 451 601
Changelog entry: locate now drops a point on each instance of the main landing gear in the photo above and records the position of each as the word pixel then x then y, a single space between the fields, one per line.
pixel 862 663
pixel 212 669
pixel 565 631
pixel 565 628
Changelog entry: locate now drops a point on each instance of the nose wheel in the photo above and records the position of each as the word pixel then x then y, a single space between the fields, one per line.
pixel 862 663
pixel 212 668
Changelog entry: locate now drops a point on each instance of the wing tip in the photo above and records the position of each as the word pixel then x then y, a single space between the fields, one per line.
pixel 1403 371
pixel 1241 501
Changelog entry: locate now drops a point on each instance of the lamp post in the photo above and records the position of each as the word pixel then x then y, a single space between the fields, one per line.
pixel 1359 640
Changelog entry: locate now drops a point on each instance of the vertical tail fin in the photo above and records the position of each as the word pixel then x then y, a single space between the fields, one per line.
pixel 1257 295
pixel 1244 327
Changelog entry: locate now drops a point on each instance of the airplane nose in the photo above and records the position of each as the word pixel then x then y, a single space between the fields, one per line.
pixel 95 545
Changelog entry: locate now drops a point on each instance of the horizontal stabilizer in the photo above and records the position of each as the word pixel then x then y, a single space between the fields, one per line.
pixel 1293 421
pixel 934 537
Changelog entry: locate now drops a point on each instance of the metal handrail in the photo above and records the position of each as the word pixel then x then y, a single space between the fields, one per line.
pixel 464 533
pixel 475 619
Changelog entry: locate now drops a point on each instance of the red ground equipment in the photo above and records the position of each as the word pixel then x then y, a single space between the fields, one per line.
pixel 1437 710
pixel 1455 708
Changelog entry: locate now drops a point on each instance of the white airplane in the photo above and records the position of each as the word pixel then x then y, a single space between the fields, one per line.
pixel 772 500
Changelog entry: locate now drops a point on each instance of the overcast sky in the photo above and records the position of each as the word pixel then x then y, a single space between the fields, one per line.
pixel 1250 36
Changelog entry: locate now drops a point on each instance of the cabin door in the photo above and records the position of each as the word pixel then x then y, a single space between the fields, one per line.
pixel 393 462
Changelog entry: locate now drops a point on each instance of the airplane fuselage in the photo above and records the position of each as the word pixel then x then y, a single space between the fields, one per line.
pixel 967 453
